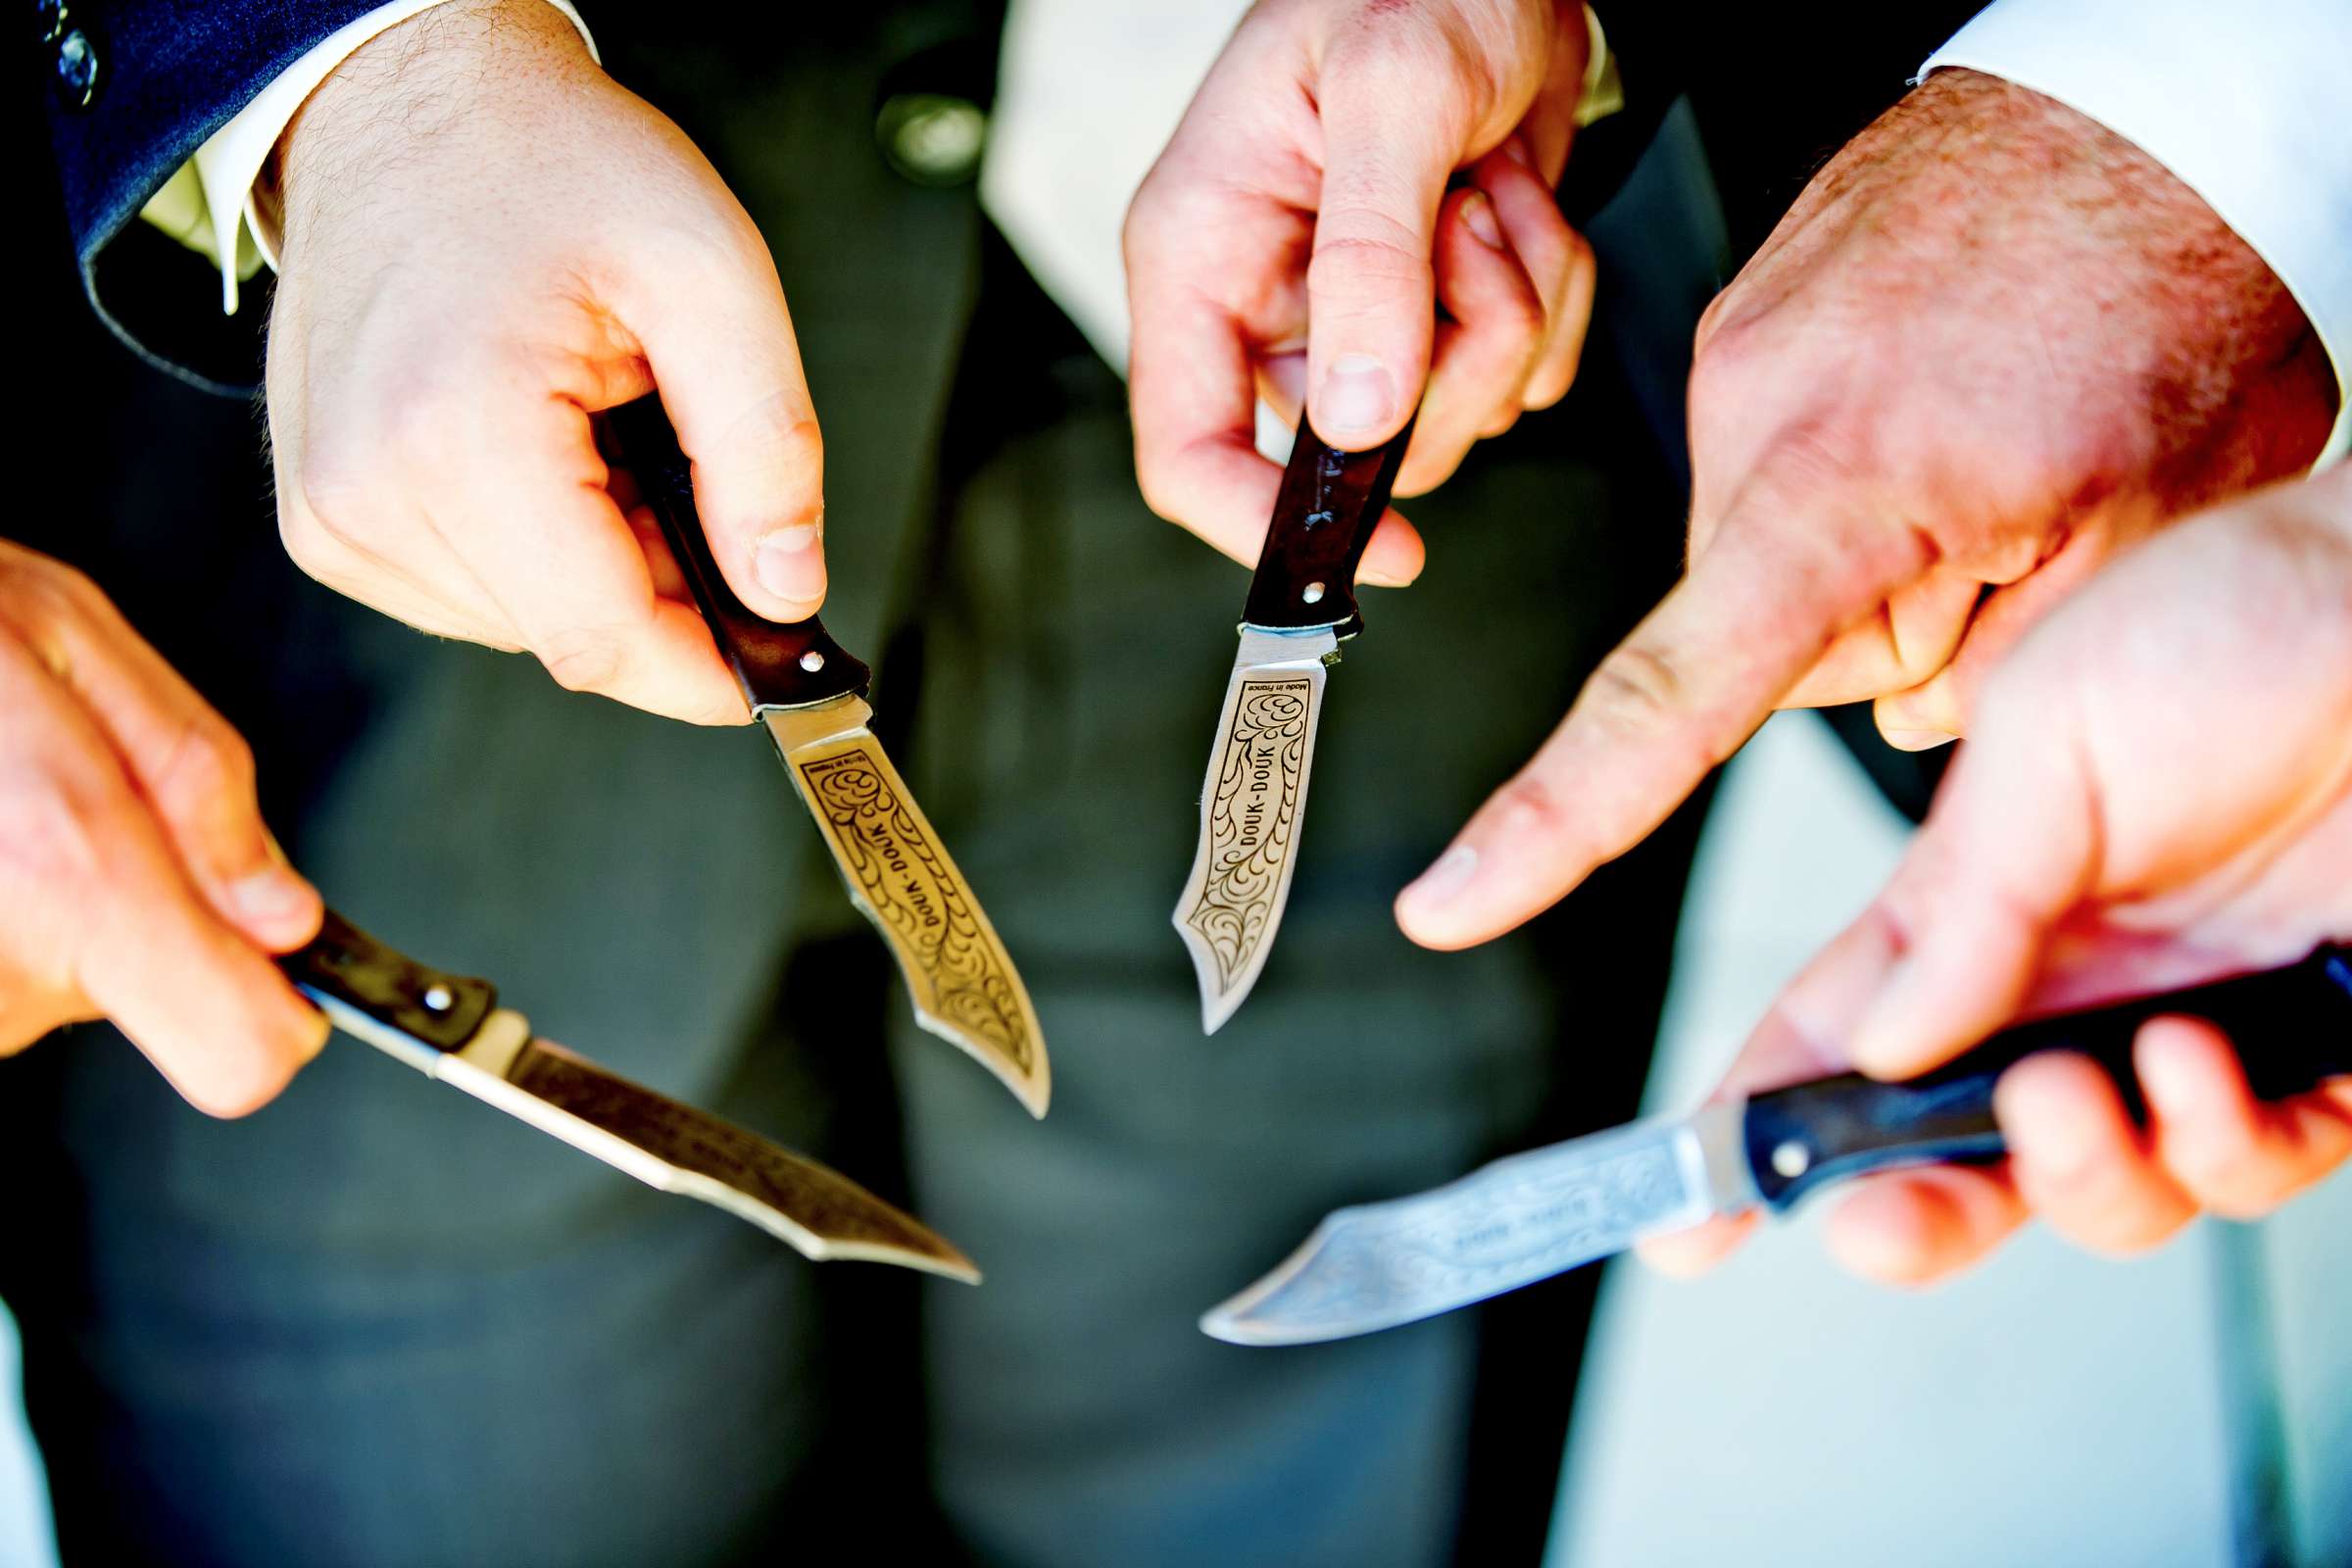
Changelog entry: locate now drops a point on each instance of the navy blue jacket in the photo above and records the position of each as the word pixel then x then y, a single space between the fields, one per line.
pixel 131 89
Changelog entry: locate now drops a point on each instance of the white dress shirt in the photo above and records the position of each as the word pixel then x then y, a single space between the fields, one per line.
pixel 2248 104
pixel 226 223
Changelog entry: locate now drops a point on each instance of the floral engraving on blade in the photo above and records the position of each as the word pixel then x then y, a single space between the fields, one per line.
pixel 952 961
pixel 1253 820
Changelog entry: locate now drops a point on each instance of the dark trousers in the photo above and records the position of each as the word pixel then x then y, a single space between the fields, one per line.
pixel 378 1323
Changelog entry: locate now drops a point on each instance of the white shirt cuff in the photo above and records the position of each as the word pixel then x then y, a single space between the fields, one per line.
pixel 229 161
pixel 2244 103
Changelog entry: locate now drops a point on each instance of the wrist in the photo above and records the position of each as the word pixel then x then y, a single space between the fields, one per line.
pixel 405 88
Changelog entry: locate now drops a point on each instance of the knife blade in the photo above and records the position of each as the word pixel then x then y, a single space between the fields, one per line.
pixel 811 695
pixel 451 1028
pixel 1302 607
pixel 1533 1215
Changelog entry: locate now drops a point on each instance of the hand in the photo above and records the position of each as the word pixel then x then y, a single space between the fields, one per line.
pixel 1990 343
pixel 485 241
pixel 136 880
pixel 2157 791
pixel 1298 232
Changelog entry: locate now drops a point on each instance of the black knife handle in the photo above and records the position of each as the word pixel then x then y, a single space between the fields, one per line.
pixel 344 963
pixel 2292 1028
pixel 778 663
pixel 1324 515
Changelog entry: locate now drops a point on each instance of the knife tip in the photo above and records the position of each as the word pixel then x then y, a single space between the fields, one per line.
pixel 1032 1084
pixel 941 1256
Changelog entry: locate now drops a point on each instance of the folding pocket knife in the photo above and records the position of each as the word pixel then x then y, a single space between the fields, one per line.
pixel 1533 1215
pixel 1301 606
pixel 811 694
pixel 451 1028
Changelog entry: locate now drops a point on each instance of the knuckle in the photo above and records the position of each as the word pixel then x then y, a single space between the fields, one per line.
pixel 206 764
pixel 1160 477
pixel 2134 1231
pixel 2239 1185
pixel 1144 227
pixel 306 543
pixel 40 591
pixel 794 441
pixel 1395 44
pixel 242 1083
pixel 330 494
pixel 1529 808
pixel 1638 691
pixel 582 660
pixel 1350 265
pixel 1522 313
pixel 1158 498
pixel 50 842
pixel 2245 1205
pixel 1722 353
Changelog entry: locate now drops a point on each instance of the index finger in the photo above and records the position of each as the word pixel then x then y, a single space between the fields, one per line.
pixel 543 536
pixel 1674 699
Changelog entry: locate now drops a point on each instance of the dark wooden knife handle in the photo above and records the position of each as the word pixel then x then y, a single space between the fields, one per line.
pixel 778 663
pixel 2292 1028
pixel 344 963
pixel 1324 515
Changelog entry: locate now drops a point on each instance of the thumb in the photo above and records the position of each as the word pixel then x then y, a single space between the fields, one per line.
pixel 1371 288
pixel 2010 848
pixel 729 367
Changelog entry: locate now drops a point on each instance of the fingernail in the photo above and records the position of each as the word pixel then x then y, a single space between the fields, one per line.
pixel 1917 740
pixel 789 564
pixel 1357 394
pixel 270 898
pixel 1434 887
pixel 1371 577
pixel 1478 215
pixel 1515 148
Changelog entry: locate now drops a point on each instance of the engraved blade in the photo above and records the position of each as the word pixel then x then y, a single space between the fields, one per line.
pixel 1252 802
pixel 959 976
pixel 1511 1223
pixel 816 1210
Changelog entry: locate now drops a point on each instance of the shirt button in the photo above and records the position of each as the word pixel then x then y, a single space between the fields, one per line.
pixel 76 69
pixel 931 139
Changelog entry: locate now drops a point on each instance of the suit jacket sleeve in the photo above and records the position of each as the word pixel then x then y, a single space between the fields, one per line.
pixel 161 77
pixel 1777 89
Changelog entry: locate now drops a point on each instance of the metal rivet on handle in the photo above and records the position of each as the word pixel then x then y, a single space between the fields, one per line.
pixel 1791 1159
pixel 812 660
pixel 1312 593
pixel 437 998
